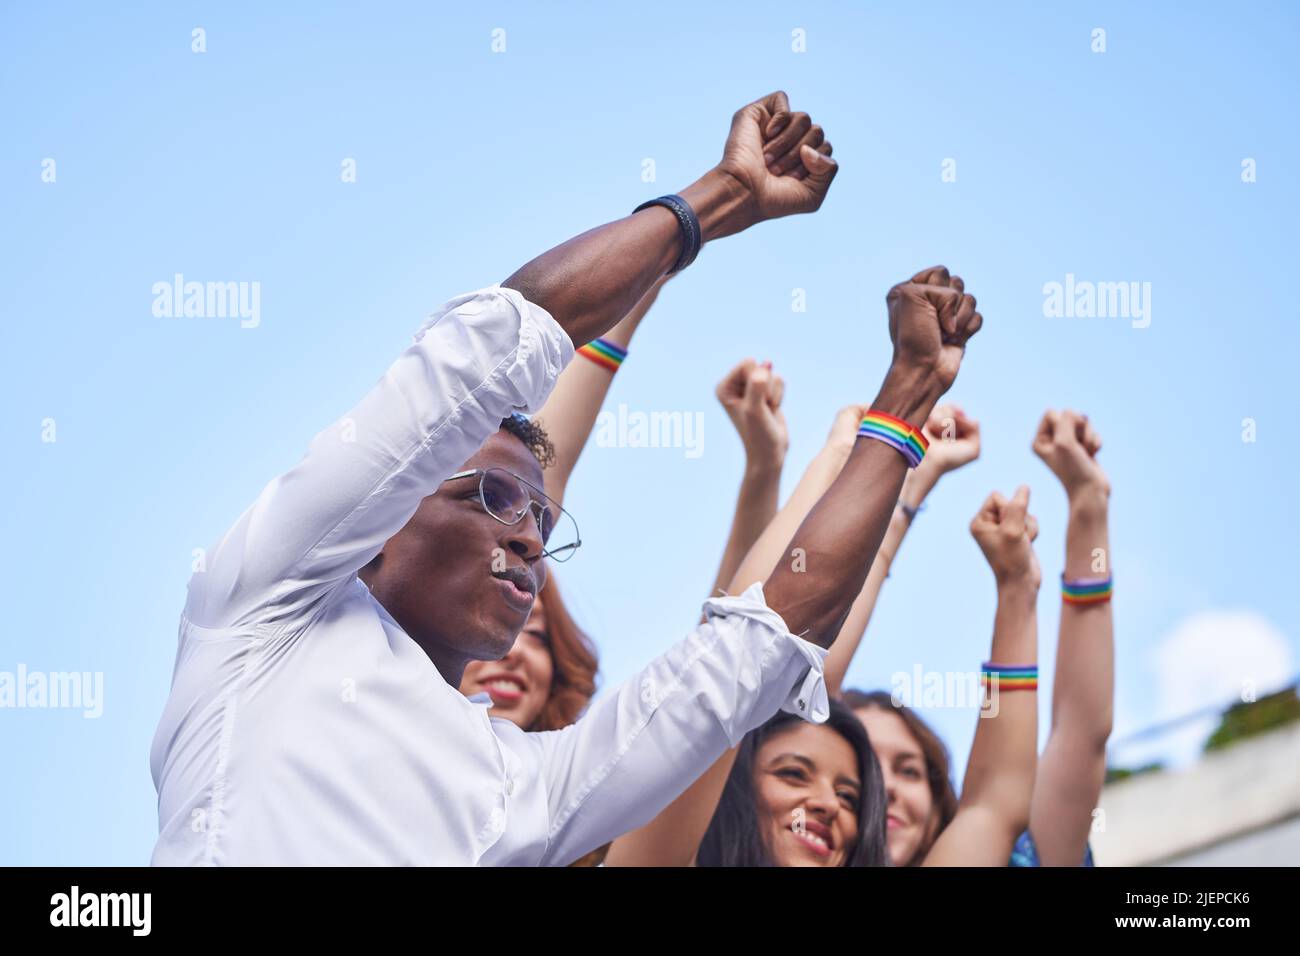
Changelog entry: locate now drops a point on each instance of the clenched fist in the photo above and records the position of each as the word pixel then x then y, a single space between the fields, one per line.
pixel 781 160
pixel 954 440
pixel 1068 445
pixel 1005 532
pixel 931 317
pixel 751 396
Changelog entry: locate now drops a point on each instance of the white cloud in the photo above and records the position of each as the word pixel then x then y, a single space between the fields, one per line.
pixel 1215 657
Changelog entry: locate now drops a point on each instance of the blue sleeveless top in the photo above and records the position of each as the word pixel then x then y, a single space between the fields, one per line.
pixel 1024 853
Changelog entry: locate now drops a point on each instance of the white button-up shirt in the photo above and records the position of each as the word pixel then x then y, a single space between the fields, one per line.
pixel 305 727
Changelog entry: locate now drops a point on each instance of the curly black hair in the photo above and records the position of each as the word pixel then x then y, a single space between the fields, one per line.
pixel 533 436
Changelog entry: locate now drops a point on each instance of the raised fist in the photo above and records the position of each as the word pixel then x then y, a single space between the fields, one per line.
pixel 1068 445
pixel 954 440
pixel 751 396
pixel 781 159
pixel 1005 531
pixel 931 317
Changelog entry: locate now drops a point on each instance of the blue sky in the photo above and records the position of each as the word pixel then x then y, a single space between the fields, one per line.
pixel 225 166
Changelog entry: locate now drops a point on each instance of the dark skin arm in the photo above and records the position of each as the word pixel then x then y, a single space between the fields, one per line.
pixel 590 282
pixel 930 319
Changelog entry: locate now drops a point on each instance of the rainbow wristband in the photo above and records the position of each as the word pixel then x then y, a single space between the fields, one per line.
pixel 604 353
pixel 1009 676
pixel 895 433
pixel 1087 590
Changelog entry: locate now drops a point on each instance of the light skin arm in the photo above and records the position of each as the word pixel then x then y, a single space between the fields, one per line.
pixel 771 546
pixel 954 442
pixel 570 413
pixel 999 781
pixel 1073 765
pixel 931 319
pixel 751 396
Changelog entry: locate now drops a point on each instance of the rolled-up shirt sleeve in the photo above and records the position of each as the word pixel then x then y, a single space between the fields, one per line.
pixel 473 362
pixel 638 748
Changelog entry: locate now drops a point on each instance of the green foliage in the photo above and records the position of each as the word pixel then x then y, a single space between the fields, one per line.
pixel 1255 717
pixel 1123 773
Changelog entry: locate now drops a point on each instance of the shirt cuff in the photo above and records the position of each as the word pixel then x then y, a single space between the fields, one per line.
pixel 808 698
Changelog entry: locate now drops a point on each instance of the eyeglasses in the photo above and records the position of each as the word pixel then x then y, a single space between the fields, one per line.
pixel 507 497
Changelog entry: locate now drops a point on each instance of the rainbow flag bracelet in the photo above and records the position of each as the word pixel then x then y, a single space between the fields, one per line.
pixel 1087 590
pixel 1009 676
pixel 895 433
pixel 604 353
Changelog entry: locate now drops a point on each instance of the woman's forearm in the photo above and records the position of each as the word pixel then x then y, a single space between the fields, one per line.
pixel 1004 755
pixel 755 509
pixel 770 547
pixel 1072 768
pixel 1085 653
pixel 999 781
pixel 571 411
pixel 673 838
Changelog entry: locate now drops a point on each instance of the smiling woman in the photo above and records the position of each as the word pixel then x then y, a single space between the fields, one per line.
pixel 801 794
pixel 922 801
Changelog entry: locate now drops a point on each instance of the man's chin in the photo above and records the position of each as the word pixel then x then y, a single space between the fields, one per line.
pixel 498 635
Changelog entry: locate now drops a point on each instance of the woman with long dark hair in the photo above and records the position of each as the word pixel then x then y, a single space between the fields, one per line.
pixel 1001 774
pixel 801 794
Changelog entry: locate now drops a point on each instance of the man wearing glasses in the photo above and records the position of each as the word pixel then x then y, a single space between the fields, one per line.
pixel 314 716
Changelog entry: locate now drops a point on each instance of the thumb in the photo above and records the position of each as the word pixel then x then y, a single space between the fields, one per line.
pixel 1046 428
pixel 733 385
pixel 776 392
pixel 1018 507
pixel 757 388
pixel 821 169
pixel 992 510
